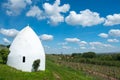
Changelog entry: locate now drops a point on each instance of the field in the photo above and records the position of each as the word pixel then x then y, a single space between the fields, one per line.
pixel 53 71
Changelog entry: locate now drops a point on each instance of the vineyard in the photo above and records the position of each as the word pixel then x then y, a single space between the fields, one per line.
pixel 106 69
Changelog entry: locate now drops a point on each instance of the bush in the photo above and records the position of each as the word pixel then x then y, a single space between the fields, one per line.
pixel 36 65
pixel 4 54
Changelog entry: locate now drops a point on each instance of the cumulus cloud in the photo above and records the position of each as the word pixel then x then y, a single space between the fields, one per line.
pixel 35 11
pixel 82 47
pixel 9 32
pixel 28 1
pixel 85 18
pixel 6 41
pixel 14 7
pixel 112 20
pixel 114 32
pixel 74 40
pixel 63 43
pixel 93 47
pixel 103 35
pixel 113 40
pixel 53 12
pixel 66 47
pixel 46 37
pixel 83 43
pixel 100 45
pixel 95 43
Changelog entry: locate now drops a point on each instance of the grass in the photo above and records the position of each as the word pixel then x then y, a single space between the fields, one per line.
pixel 53 72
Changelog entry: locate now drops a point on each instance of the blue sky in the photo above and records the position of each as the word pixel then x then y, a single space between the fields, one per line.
pixel 64 26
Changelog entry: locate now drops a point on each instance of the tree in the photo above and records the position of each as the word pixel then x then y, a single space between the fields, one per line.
pixel 89 55
pixel 76 55
pixel 36 65
pixel 118 57
pixel 8 46
pixel 4 54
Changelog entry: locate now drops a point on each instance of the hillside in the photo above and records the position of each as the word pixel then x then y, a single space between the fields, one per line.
pixel 53 72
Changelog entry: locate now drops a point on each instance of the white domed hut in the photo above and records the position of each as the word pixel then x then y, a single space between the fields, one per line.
pixel 25 49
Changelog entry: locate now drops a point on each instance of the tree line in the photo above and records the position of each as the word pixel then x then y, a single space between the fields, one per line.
pixel 108 59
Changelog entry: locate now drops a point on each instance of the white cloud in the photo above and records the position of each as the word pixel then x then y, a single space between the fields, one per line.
pixel 35 11
pixel 46 47
pixel 114 32
pixel 95 43
pixel 83 43
pixel 63 43
pixel 53 12
pixel 9 32
pixel 103 35
pixel 46 37
pixel 72 40
pixel 108 46
pixel 82 47
pixel 93 47
pixel 28 1
pixel 113 40
pixel 85 18
pixel 6 41
pixel 66 47
pixel 112 20
pixel 100 45
pixel 14 7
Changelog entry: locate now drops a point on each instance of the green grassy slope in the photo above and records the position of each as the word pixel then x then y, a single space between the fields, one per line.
pixel 53 72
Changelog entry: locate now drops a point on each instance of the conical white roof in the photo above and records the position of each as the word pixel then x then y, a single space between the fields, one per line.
pixel 27 41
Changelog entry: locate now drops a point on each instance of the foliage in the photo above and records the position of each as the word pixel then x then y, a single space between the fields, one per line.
pixel 109 57
pixel 4 54
pixel 8 46
pixel 76 54
pixel 36 65
pixel 93 58
pixel 118 57
pixel 89 55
